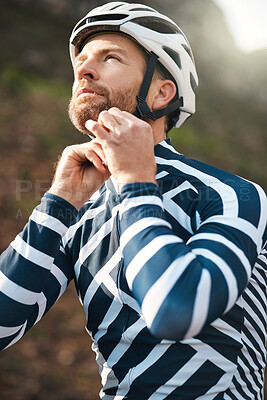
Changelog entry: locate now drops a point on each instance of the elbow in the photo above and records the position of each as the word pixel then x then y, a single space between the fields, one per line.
pixel 173 321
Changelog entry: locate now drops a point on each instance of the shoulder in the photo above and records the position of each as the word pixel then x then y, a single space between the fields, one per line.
pixel 215 191
pixel 239 196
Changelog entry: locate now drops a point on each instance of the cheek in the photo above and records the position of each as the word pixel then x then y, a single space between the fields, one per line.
pixel 74 86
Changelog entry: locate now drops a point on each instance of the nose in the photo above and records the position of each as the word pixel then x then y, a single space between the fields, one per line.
pixel 87 70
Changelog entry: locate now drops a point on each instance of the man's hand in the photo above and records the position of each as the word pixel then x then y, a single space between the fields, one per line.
pixel 128 145
pixel 81 171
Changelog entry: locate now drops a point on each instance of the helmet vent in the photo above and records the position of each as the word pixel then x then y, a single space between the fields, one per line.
pixel 193 83
pixel 188 51
pixel 113 8
pixel 142 9
pixel 106 17
pixel 83 22
pixel 157 24
pixel 175 56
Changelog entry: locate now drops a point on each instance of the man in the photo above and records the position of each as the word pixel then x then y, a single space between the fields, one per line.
pixel 168 256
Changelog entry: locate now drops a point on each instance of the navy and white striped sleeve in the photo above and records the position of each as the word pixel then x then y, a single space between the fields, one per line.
pixel 34 270
pixel 181 286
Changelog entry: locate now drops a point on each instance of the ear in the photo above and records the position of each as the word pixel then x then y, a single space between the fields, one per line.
pixel 165 92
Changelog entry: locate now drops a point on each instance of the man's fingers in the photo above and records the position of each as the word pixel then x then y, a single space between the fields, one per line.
pixel 95 160
pixel 121 116
pixel 109 121
pixel 116 118
pixel 91 151
pixel 99 151
pixel 94 153
pixel 96 129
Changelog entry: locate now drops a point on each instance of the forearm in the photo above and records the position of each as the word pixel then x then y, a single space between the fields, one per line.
pixel 31 275
pixel 179 286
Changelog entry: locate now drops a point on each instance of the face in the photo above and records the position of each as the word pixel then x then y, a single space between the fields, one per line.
pixel 108 72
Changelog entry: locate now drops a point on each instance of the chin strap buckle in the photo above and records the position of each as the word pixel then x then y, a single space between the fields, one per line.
pixel 142 109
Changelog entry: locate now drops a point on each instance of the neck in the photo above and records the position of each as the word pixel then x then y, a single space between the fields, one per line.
pixel 159 132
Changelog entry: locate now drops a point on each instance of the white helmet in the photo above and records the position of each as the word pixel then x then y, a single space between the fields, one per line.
pixel 161 37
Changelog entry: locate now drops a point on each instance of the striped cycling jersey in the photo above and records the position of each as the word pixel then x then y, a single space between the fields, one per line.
pixel 172 278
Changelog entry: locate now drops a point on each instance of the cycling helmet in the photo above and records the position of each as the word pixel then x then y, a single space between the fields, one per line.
pixel 164 41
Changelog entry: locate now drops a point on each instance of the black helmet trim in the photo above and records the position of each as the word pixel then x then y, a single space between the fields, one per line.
pixel 86 33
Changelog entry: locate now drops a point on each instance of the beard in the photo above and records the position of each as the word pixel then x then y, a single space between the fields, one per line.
pixel 83 108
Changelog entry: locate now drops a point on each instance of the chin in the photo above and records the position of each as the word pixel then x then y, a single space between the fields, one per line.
pixel 80 113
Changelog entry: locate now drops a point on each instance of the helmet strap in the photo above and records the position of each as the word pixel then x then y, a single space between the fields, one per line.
pixel 142 108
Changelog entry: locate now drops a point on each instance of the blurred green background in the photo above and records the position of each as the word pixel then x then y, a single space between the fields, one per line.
pixel 54 360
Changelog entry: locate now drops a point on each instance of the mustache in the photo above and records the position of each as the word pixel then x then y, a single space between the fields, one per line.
pixel 92 87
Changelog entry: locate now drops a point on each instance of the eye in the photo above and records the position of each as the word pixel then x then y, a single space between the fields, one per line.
pixel 112 57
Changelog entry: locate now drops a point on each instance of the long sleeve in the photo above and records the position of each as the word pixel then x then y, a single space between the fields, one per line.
pixel 181 286
pixel 34 270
